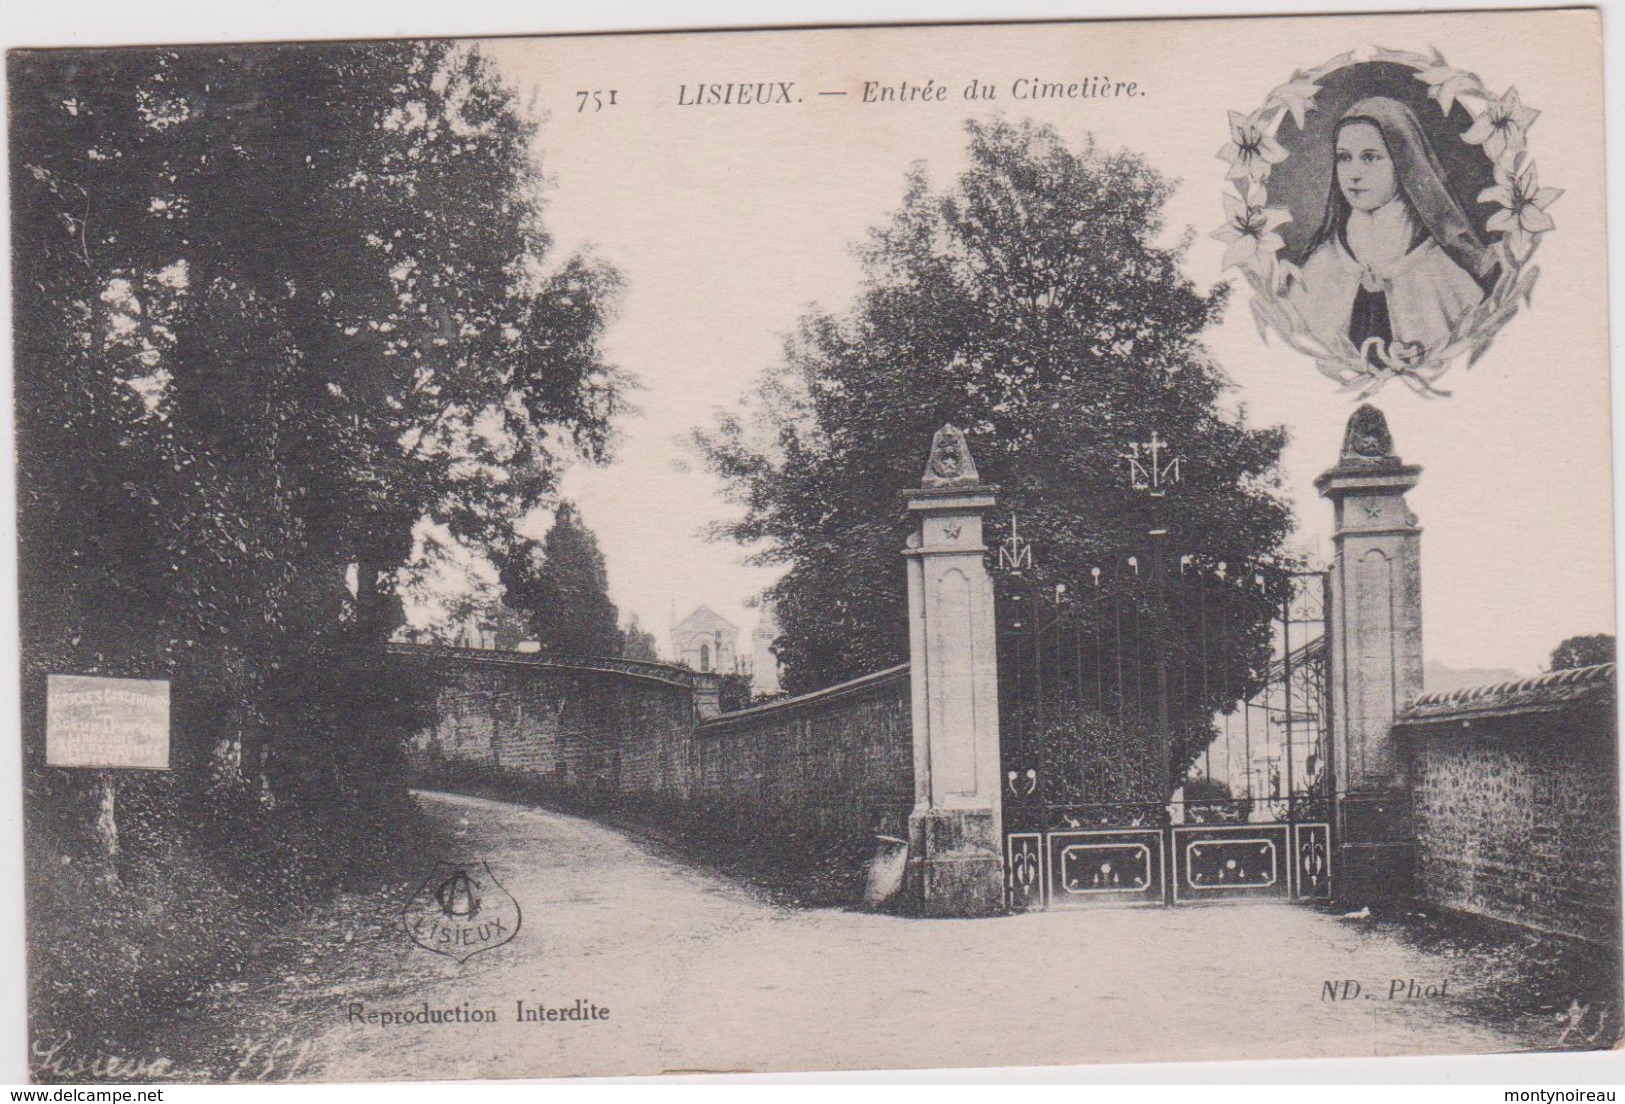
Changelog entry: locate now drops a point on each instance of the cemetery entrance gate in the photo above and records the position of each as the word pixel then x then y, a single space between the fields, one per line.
pixel 1164 731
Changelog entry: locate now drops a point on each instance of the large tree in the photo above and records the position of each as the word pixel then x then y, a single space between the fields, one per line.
pixel 1583 651
pixel 561 586
pixel 275 305
pixel 1036 304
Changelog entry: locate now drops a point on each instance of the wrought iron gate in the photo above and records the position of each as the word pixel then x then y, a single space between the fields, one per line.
pixel 1164 730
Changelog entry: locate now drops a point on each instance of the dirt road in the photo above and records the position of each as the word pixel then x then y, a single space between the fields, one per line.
pixel 694 973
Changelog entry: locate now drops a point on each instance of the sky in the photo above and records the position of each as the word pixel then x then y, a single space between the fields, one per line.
pixel 729 222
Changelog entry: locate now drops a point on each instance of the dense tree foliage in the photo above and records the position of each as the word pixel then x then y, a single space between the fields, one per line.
pixel 1035 305
pixel 274 306
pixel 561 587
pixel 1583 651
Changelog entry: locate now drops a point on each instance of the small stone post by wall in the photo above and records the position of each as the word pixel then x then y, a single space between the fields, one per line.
pixel 955 861
pixel 1375 660
pixel 707 695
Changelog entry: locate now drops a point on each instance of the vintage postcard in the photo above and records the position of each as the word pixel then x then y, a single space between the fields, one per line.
pixel 827 549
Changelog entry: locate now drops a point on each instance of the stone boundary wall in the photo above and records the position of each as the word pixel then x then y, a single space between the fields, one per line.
pixel 1516 801
pixel 829 768
pixel 570 723
pixel 835 763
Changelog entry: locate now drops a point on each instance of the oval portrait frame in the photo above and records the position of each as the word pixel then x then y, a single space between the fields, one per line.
pixel 1517 219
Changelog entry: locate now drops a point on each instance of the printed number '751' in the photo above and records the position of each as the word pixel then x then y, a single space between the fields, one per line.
pixel 598 100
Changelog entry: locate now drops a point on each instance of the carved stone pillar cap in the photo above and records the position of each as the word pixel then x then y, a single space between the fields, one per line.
pixel 951 481
pixel 1368 462
pixel 950 463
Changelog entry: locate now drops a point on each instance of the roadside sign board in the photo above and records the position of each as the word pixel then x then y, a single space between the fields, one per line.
pixel 107 722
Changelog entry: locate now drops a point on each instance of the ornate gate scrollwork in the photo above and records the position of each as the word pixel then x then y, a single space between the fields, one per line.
pixel 1163 723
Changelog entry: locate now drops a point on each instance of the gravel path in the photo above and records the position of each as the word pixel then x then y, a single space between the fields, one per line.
pixel 700 974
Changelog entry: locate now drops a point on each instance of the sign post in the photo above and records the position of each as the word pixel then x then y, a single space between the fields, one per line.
pixel 107 724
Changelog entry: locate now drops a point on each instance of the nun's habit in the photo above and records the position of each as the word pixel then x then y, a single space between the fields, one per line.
pixel 1404 273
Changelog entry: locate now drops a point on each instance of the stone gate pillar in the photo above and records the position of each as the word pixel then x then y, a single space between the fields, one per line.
pixel 955 856
pixel 1375 659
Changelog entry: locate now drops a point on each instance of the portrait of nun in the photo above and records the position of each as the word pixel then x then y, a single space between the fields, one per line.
pixel 1395 262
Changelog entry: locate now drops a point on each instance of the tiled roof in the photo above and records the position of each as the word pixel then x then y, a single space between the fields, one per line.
pixel 1542 694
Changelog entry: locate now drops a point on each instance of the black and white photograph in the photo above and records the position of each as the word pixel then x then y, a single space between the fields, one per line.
pixel 869 548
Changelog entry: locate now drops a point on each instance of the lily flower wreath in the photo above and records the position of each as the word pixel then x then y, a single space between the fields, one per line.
pixel 1253 244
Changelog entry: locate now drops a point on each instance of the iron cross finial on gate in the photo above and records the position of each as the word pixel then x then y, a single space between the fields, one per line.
pixel 1015 553
pixel 1147 468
